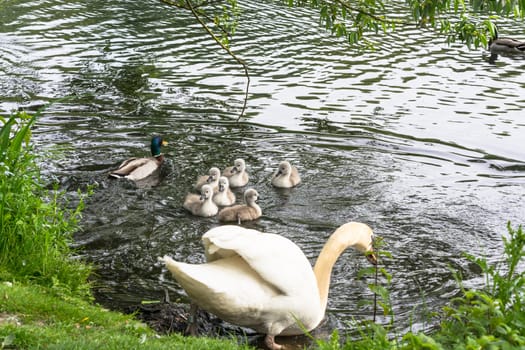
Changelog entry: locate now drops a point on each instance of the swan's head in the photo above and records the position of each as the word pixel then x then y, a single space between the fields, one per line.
pixel 359 236
pixel 284 168
pixel 214 175
pixel 156 143
pixel 206 192
pixel 371 256
pixel 223 184
pixel 238 165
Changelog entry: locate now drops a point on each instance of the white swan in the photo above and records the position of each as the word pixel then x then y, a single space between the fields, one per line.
pixel 237 174
pixel 264 281
pixel 286 176
pixel 211 179
pixel 224 196
pixel 201 205
pixel 243 212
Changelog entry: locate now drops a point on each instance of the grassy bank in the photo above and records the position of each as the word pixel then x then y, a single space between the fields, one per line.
pixel 33 317
pixel 35 230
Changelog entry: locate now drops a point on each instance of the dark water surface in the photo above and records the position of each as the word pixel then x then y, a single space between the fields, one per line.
pixel 422 141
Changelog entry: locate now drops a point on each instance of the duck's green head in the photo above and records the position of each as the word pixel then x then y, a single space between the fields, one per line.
pixel 156 143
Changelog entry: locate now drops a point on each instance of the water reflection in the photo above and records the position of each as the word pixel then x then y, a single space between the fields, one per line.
pixel 421 145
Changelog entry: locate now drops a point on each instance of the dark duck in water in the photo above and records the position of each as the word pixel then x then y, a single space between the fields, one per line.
pixel 504 46
pixel 137 169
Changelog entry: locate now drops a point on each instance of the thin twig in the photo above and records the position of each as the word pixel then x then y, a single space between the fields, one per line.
pixel 375 282
pixel 185 7
pixel 189 6
pixel 375 298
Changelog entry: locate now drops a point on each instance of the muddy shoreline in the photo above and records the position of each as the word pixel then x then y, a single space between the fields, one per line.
pixel 167 318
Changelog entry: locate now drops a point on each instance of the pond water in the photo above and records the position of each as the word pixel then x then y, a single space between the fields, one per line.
pixel 422 141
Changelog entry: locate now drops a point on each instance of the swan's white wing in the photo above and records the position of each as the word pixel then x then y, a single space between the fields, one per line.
pixel 228 288
pixel 216 241
pixel 275 258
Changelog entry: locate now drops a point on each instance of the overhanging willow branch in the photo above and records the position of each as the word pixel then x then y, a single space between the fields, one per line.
pixel 368 14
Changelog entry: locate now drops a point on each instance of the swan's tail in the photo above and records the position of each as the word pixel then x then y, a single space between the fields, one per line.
pixel 169 262
pixel 166 260
pixel 186 274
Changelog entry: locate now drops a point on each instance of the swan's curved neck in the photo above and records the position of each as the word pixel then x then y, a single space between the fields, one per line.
pixel 323 268
pixel 341 239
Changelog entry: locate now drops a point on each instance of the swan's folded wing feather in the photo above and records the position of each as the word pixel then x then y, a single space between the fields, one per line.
pixel 275 258
pixel 228 288
pixel 219 242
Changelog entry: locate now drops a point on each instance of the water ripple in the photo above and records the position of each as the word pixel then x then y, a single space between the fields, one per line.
pixel 418 139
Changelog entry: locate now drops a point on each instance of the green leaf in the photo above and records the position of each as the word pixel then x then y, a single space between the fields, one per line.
pixel 5 134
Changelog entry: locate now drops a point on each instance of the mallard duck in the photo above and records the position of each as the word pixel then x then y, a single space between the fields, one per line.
pixel 211 179
pixel 263 280
pixel 505 45
pixel 286 176
pixel 242 212
pixel 140 168
pixel 201 205
pixel 236 174
pixel 224 196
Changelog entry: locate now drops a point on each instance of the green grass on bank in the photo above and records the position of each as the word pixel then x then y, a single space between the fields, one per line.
pixel 35 228
pixel 33 317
